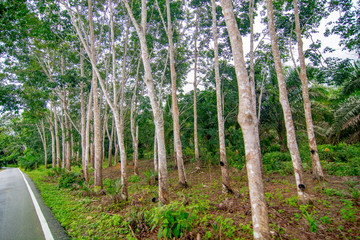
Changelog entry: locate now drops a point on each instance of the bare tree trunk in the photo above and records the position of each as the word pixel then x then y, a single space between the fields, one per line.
pixel 157 112
pixel 105 123
pixel 111 137
pixel 248 122
pixel 67 135
pixel 83 119
pixel 290 129
pixel 316 165
pixel 156 167
pixel 196 143
pixel 175 109
pixel 221 128
pixel 45 145
pixel 58 161
pixel 87 157
pixel 63 137
pixel 133 125
pixel 41 131
pixel 53 141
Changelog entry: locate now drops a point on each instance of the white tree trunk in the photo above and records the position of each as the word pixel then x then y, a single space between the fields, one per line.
pixel 290 129
pixel 221 128
pixel 248 122
pixel 133 125
pixel 157 112
pixel 196 143
pixel 316 165
pixel 53 139
pixel 175 109
pixel 58 160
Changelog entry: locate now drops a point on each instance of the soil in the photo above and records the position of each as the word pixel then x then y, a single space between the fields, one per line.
pixel 325 217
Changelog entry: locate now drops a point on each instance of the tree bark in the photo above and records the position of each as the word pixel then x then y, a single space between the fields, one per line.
pixel 221 128
pixel 84 137
pixel 175 109
pixel 290 129
pixel 157 112
pixel 53 141
pixel 58 161
pixel 316 165
pixel 248 121
pixel 111 137
pixel 196 143
pixel 133 125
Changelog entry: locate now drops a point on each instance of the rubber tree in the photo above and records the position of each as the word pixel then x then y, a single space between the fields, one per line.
pixel 157 112
pixel 289 124
pixel 316 165
pixel 249 124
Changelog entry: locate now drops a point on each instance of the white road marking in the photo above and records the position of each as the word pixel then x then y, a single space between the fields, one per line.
pixel 45 227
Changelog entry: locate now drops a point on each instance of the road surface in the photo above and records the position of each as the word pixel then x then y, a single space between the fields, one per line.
pixel 23 215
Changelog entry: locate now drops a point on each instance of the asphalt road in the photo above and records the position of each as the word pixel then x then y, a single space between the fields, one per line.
pixel 19 219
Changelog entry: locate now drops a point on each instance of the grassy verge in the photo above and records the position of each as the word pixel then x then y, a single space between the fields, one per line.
pixel 201 209
pixel 77 215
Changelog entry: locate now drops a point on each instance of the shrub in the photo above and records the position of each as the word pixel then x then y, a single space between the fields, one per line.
pixel 173 221
pixel 68 179
pixel 29 161
pixel 278 161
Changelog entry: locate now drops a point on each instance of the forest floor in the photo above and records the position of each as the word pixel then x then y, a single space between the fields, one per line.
pixel 207 213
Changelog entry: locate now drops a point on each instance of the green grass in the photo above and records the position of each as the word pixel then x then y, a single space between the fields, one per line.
pixel 74 214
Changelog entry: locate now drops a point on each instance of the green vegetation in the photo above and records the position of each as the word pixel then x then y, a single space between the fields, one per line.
pixel 199 209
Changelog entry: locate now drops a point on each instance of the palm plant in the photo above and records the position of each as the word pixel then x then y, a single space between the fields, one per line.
pixel 347 115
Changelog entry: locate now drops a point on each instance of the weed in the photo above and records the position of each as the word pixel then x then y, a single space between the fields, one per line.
pixel 68 179
pixel 332 192
pixel 134 179
pixel 113 188
pixel 312 221
pixel 291 201
pixel 325 219
pixel 174 221
pixel 268 196
pixel 355 193
pixel 348 211
pixel 151 175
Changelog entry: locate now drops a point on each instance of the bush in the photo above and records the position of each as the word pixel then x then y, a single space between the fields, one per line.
pixel 174 221
pixel 68 179
pixel 30 160
pixel 274 157
pixel 351 168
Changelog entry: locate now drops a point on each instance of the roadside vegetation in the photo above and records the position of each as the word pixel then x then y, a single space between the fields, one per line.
pixel 202 209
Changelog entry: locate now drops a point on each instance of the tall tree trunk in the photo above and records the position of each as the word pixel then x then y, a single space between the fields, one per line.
pixel 157 112
pixel 97 139
pixel 248 122
pixel 290 129
pixel 63 137
pixel 83 118
pixel 88 128
pixel 221 128
pixel 175 109
pixel 196 143
pixel 111 137
pixel 316 165
pixel 41 130
pixel 45 145
pixel 156 162
pixel 97 121
pixel 67 135
pixel 105 123
pixel 133 125
pixel 121 121
pixel 53 141
pixel 58 161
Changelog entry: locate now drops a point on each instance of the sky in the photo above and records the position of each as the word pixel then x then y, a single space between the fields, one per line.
pixel 332 41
